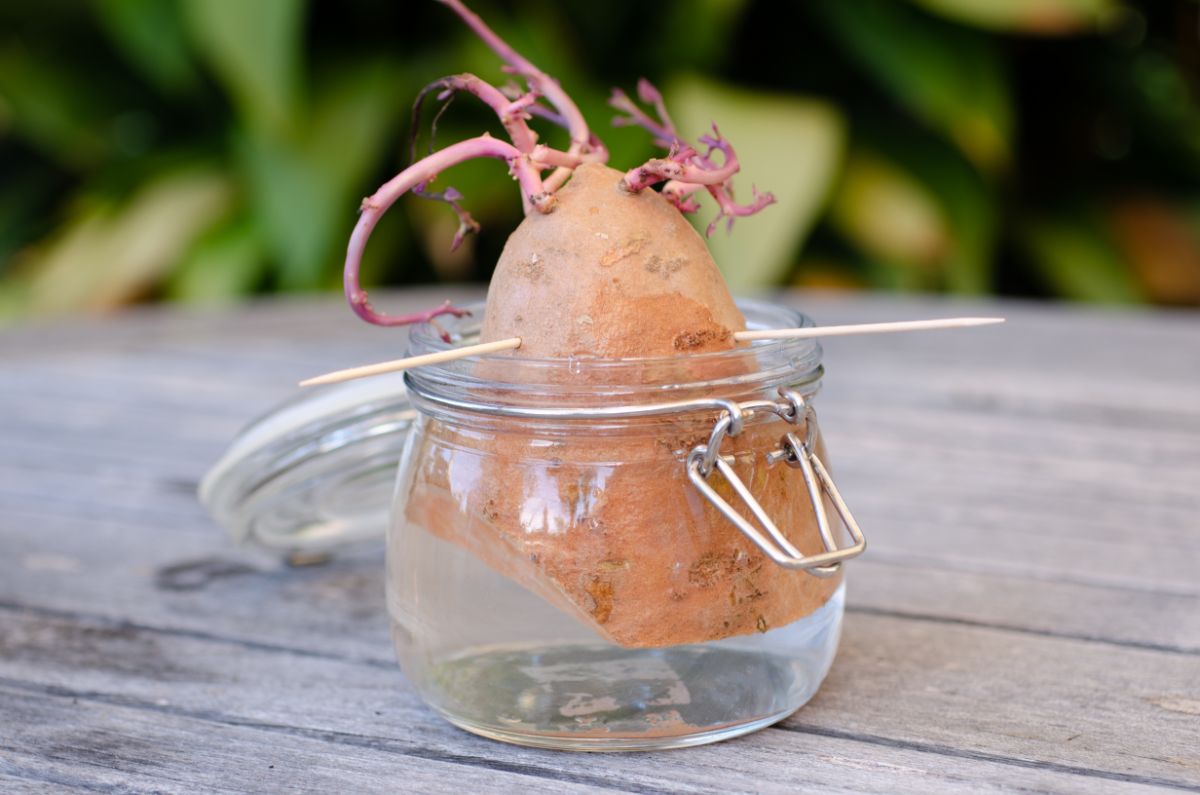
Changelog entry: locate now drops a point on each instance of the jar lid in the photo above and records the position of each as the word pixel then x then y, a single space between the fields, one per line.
pixel 315 472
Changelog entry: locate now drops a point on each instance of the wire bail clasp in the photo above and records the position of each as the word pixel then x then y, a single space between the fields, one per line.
pixel 797 453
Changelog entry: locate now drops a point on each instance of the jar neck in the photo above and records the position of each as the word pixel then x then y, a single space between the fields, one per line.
pixel 610 390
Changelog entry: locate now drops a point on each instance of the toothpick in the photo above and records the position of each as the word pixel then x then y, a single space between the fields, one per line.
pixel 741 336
pixel 413 361
pixel 864 328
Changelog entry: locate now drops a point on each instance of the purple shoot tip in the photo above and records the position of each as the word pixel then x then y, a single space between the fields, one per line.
pixel 684 170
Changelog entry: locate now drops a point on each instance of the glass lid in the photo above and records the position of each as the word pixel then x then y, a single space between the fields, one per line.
pixel 315 472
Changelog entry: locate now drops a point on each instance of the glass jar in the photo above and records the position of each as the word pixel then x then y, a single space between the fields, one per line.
pixel 596 555
pixel 611 555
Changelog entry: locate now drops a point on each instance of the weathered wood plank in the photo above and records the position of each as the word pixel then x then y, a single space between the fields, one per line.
pixel 1098 706
pixel 1036 506
pixel 13 785
pixel 140 684
pixel 123 550
pixel 906 534
pixel 1138 618
pixel 1039 351
pixel 256 758
pixel 901 457
pixel 90 742
pixel 191 581
pixel 194 581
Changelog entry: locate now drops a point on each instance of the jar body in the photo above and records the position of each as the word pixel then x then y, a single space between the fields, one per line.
pixel 569 589
pixel 557 575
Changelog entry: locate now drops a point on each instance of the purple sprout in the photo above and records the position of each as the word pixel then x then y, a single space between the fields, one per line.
pixel 684 170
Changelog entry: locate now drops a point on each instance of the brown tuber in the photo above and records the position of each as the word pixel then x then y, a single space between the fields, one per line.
pixel 625 275
pixel 603 268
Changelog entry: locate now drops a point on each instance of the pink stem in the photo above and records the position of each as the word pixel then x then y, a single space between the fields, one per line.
pixel 538 80
pixel 658 170
pixel 545 156
pixel 466 224
pixel 549 114
pixel 680 189
pixel 512 115
pixel 418 175
pixel 729 209
pixel 648 93
pixel 679 194
pixel 510 112
pixel 663 131
pixel 684 164
pixel 681 166
pixel 594 152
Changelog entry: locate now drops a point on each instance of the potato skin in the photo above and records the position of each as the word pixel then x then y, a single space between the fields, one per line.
pixel 610 530
pixel 606 525
pixel 609 274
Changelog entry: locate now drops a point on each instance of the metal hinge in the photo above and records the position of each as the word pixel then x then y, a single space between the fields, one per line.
pixel 797 453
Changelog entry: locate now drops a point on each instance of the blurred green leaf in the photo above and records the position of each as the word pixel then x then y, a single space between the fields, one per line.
pixel 890 215
pixel 919 212
pixel 1073 253
pixel 306 189
pixel 226 262
pixel 151 35
pixel 951 78
pixel 969 203
pixel 254 47
pixel 283 102
pixel 22 192
pixel 51 109
pixel 789 146
pixel 700 31
pixel 108 253
pixel 1047 17
pixel 1157 91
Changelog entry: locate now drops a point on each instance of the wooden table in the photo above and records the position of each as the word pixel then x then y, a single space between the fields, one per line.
pixel 1027 616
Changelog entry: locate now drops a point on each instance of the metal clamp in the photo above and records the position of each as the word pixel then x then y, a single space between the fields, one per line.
pixel 797 453
pixel 706 458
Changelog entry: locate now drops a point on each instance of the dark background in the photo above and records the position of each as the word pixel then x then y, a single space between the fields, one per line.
pixel 205 150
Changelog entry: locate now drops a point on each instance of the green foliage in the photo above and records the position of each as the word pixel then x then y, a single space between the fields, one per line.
pixel 316 172
pixel 133 244
pixel 51 110
pixel 1077 258
pixel 1027 16
pixel 226 261
pixel 152 35
pixel 254 49
pixel 201 150
pixel 949 77
pixel 795 144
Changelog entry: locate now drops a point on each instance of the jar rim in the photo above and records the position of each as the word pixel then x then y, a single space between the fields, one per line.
pixel 762 363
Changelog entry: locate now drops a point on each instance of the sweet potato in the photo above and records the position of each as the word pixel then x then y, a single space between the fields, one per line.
pixel 626 274
pixel 604 525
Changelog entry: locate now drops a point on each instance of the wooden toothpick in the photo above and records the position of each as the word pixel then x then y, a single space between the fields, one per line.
pixel 413 361
pixel 864 328
pixel 741 336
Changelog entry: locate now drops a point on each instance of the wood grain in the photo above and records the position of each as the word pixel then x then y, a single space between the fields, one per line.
pixel 1027 616
pixel 181 678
